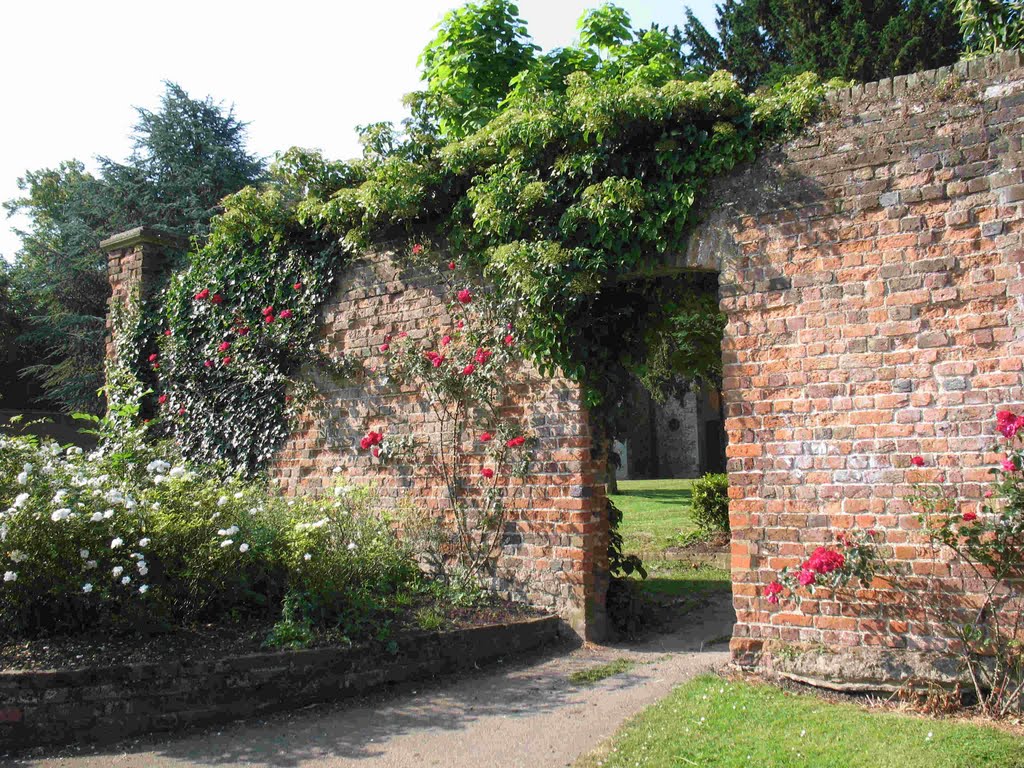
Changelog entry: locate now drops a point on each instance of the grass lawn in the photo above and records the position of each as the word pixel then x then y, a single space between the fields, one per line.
pixel 655 517
pixel 713 723
pixel 678 578
pixel 655 514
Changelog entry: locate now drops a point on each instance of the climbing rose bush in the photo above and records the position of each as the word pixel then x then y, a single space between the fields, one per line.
pixel 979 606
pixel 851 558
pixel 465 373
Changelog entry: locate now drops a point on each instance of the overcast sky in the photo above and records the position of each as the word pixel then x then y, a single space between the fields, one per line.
pixel 299 72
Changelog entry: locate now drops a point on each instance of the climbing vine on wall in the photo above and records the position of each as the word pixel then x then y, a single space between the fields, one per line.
pixel 581 178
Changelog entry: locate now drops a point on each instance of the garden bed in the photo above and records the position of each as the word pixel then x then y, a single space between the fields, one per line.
pixel 205 642
pixel 107 703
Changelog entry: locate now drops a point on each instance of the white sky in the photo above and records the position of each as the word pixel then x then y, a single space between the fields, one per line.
pixel 300 73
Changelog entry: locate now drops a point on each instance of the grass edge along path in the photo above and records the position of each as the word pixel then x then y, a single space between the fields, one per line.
pixel 715 723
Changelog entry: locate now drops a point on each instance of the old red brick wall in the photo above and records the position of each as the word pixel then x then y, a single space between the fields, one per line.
pixel 554 552
pixel 871 273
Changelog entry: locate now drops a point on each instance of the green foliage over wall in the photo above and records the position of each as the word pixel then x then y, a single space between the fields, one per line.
pixel 566 191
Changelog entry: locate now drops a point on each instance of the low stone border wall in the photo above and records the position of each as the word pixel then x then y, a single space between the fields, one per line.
pixel 105 704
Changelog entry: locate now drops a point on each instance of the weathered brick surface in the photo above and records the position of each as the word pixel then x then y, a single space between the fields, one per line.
pixel 107 704
pixel 872 279
pixel 554 552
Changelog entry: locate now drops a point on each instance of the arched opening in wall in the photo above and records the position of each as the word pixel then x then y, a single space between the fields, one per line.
pixel 667 468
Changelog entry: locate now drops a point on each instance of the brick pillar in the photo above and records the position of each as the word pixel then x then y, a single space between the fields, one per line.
pixel 135 261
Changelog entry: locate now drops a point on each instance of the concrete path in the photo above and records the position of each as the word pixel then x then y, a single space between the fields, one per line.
pixel 527 715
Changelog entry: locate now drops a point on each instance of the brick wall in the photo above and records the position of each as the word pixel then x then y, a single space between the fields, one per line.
pixel 554 552
pixel 136 261
pixel 109 704
pixel 871 273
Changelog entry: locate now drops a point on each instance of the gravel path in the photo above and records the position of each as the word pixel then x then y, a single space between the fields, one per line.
pixel 527 715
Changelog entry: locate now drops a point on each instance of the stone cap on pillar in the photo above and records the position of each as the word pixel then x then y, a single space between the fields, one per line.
pixel 144 235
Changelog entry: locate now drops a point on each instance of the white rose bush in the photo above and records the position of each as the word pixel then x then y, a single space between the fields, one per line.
pixel 129 538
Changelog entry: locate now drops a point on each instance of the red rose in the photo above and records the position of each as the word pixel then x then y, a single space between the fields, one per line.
pixel 365 443
pixel 917 461
pixel 509 340
pixel 167 332
pixel 460 324
pixel 824 560
pixel 156 366
pixel 162 399
pixel 485 437
pixel 203 294
pixel 243 331
pixel 446 340
pixel 417 249
pixel 487 472
pixel 385 347
pixel 470 368
pixel 451 265
pixel 181 411
pixel 208 363
pixel 437 360
pixel 224 346
pixel 970 517
pixel 285 314
pixel 217 298
pixel 465 297
pixel 482 355
pixel 297 286
pixel 226 360
pixel 805 578
pixel 288 398
pixel 269 310
pixel 1009 465
pixel 375 452
pixel 515 442
pixel 154 357
pixel 772 592
pixel 402 334
pixel 268 319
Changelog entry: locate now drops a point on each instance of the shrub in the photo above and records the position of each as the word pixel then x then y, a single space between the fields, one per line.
pixel 711 502
pixel 128 537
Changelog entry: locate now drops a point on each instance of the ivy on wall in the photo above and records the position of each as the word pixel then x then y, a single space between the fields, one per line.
pixel 572 189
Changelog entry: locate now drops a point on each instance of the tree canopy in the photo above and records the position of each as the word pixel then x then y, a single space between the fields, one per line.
pixel 761 41
pixel 187 156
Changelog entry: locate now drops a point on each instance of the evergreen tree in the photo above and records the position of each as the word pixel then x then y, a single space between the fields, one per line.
pixel 761 41
pixel 187 156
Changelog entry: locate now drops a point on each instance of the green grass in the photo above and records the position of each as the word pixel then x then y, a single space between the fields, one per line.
pixel 717 724
pixel 655 517
pixel 677 578
pixel 596 674
pixel 655 514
